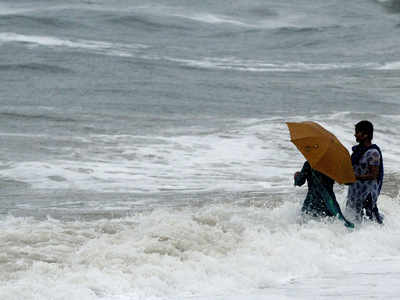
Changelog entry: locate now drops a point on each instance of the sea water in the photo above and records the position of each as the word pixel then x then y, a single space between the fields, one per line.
pixel 144 151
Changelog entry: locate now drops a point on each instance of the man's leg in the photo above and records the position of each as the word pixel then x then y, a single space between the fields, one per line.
pixel 377 215
pixel 368 206
pixel 371 210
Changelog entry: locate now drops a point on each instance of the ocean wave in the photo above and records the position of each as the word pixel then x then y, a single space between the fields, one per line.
pixel 304 29
pixel 208 251
pixel 27 116
pixel 262 11
pixel 285 24
pixel 390 66
pixel 391 5
pixel 146 22
pixel 11 10
pixel 240 158
pixel 168 17
pixel 213 19
pixel 236 64
pixel 263 18
pixel 36 67
pixel 26 20
pixel 100 47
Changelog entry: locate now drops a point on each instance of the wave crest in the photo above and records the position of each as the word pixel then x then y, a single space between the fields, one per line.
pixel 37 67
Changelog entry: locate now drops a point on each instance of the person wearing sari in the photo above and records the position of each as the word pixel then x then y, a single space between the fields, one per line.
pixel 320 200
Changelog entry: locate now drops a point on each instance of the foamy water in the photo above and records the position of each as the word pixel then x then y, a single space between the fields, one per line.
pixel 49 41
pixel 218 250
pixel 260 66
pixel 226 250
pixel 145 153
pixel 252 155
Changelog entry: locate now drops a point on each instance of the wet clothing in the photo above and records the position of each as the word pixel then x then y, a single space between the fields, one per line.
pixel 314 204
pixel 320 200
pixel 358 153
pixel 371 211
pixel 363 194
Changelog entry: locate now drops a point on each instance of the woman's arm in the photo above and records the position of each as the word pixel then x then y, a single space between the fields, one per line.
pixel 300 177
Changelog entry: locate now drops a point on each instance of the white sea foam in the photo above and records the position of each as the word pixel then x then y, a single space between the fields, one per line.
pixel 4 10
pixel 213 63
pixel 221 251
pixel 251 156
pixel 390 66
pixel 237 64
pixel 48 41
pixel 287 20
pixel 226 160
pixel 216 251
pixel 212 19
pixel 23 8
pixel 17 8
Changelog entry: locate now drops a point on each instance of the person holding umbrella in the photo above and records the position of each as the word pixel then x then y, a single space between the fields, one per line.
pixel 320 200
pixel 327 161
pixel 368 166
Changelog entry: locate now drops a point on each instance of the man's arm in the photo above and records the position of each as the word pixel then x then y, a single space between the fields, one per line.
pixel 373 160
pixel 373 173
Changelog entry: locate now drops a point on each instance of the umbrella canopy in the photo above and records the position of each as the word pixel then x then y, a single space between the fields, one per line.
pixel 322 150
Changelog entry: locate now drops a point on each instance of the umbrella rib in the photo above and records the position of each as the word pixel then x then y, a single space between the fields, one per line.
pixel 322 149
pixel 322 155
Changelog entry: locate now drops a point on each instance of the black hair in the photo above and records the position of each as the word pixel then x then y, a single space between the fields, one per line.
pixel 365 127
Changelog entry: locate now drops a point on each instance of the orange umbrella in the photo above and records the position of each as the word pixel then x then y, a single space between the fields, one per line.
pixel 322 150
